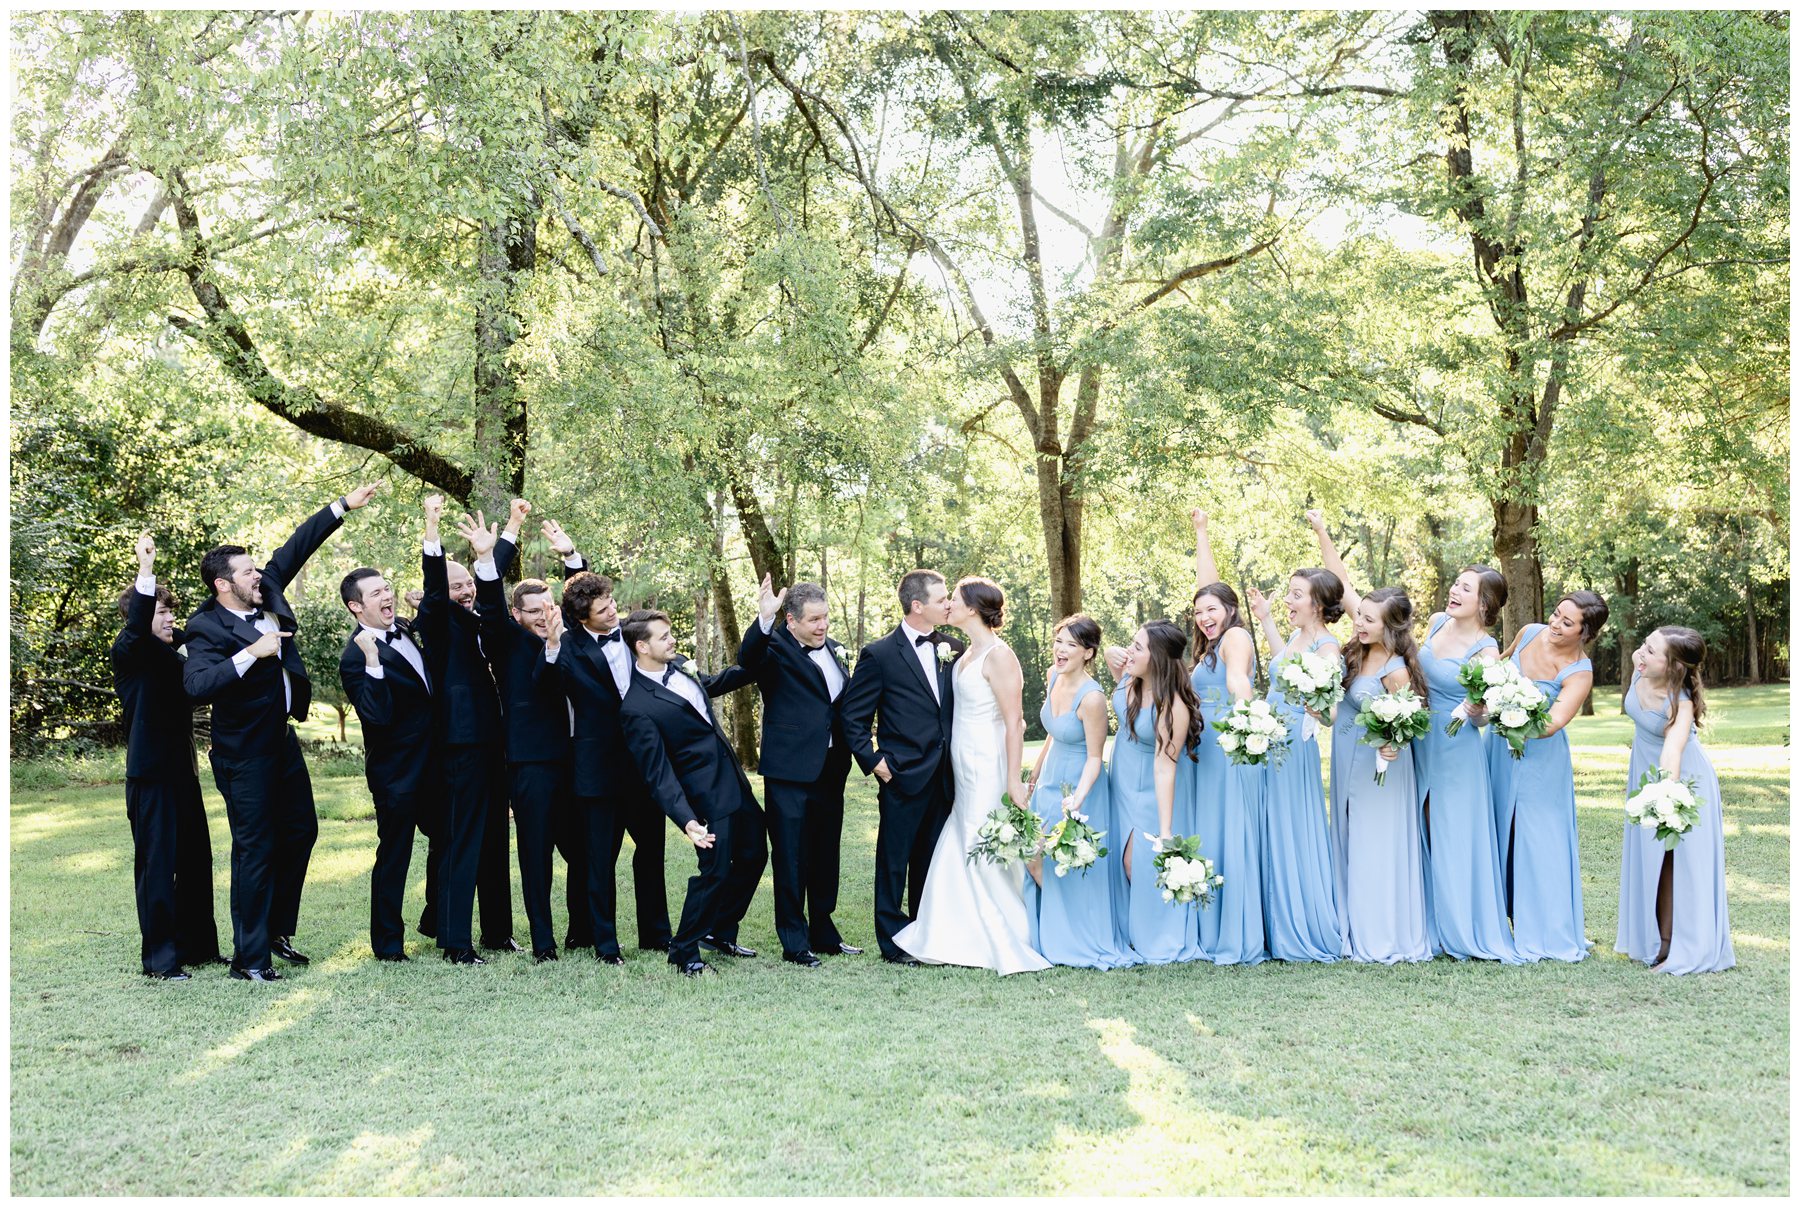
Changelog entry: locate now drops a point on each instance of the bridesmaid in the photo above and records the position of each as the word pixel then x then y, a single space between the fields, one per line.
pixel 1300 904
pixel 1534 796
pixel 1153 756
pixel 1383 907
pixel 1228 799
pixel 1465 897
pixel 1672 911
pixel 1343 732
pixel 1072 916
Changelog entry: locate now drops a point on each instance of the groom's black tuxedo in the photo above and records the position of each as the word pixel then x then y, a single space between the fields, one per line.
pixel 693 774
pixel 915 741
pixel 805 761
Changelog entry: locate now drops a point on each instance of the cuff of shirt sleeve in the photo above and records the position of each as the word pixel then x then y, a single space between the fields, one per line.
pixel 337 508
pixel 434 548
pixel 485 569
pixel 375 672
pixel 574 561
pixel 242 660
pixel 767 622
pixel 550 654
pixel 146 584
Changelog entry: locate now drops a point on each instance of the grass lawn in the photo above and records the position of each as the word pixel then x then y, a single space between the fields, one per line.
pixel 573 1078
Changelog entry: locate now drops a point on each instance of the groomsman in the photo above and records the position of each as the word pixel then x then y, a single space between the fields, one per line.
pixel 610 796
pixel 801 673
pixel 385 679
pixel 172 851
pixel 242 660
pixel 905 677
pixel 695 778
pixel 473 765
pixel 537 725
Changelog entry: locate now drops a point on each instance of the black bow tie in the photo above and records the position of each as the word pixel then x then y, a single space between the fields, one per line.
pixel 925 640
pixel 668 673
pixel 615 635
pixel 256 614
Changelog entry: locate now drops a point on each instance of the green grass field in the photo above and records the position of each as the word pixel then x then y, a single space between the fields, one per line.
pixel 352 1077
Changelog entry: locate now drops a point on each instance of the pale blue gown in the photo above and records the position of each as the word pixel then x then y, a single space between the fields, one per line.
pixel 1072 916
pixel 1228 806
pixel 1300 906
pixel 1161 932
pixel 1465 897
pixel 1534 819
pixel 1384 884
pixel 1700 938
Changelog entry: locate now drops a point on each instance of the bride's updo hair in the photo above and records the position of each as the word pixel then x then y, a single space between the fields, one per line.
pixel 984 597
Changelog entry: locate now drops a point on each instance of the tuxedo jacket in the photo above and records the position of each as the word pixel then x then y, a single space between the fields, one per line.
pixel 692 771
pixel 464 702
pixel 531 693
pixel 250 714
pixel 159 720
pixel 799 715
pixel 915 725
pixel 600 763
pixel 396 715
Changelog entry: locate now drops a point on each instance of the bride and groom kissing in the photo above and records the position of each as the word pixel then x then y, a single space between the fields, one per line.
pixel 940 723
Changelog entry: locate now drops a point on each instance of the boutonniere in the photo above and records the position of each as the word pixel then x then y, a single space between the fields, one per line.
pixel 686 667
pixel 843 659
pixel 945 653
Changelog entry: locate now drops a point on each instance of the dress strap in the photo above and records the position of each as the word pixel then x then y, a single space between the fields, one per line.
pixel 1486 643
pixel 1580 664
pixel 1395 663
pixel 1437 622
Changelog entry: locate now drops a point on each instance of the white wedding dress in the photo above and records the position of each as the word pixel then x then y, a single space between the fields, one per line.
pixel 973 914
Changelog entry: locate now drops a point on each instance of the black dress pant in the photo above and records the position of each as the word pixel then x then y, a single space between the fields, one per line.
pixel 719 893
pixel 909 830
pixel 467 783
pixel 568 825
pixel 609 819
pixel 172 872
pixel 396 817
pixel 269 804
pixel 493 874
pixel 430 813
pixel 806 828
pixel 537 791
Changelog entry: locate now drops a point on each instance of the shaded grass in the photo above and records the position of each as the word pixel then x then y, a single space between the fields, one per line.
pixel 356 1077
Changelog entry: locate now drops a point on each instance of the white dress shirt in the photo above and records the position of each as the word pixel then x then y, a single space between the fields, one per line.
pixel 404 647
pixel 927 655
pixel 821 658
pixel 683 685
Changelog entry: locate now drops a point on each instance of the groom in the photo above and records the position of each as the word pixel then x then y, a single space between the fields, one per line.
pixel 905 677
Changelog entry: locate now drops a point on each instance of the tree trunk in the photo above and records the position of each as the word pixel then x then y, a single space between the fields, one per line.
pixel 1754 668
pixel 742 722
pixel 507 257
pixel 1059 512
pixel 1626 584
pixel 1516 549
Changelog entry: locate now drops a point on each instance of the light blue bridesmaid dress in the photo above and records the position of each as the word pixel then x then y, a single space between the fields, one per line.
pixel 1228 807
pixel 1072 916
pixel 1384 899
pixel 1534 820
pixel 1161 932
pixel 1465 897
pixel 1700 939
pixel 1300 906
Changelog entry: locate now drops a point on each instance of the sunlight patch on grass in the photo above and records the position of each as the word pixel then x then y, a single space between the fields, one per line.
pixel 375 1163
pixel 89 861
pixel 282 1014
pixel 329 866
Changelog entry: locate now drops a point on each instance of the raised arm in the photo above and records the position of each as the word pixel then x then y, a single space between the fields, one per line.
pixel 287 560
pixel 1206 568
pixel 435 572
pixel 1265 616
pixel 1328 553
pixel 140 609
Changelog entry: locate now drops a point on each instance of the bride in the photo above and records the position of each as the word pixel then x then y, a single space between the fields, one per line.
pixel 973 914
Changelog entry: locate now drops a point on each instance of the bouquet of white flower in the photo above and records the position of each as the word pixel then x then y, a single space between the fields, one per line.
pixel 1182 872
pixel 1314 681
pixel 1477 679
pixel 1073 844
pixel 1664 804
pixel 1009 834
pixel 1392 719
pixel 1519 709
pixel 1253 733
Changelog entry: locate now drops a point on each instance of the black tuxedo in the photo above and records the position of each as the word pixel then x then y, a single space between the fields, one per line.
pixel 693 774
pixel 610 798
pixel 172 850
pixel 537 758
pixel 396 715
pixel 472 761
pixel 805 761
pixel 915 741
pixel 255 757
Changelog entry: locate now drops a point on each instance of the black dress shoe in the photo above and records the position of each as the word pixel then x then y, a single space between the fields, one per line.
pixel 902 959
pixel 507 944
pixel 728 947
pixel 280 946
pixel 661 945
pixel 254 974
pixel 838 949
pixel 697 968
pixel 805 959
pixel 171 974
pixel 392 957
pixel 614 959
pixel 463 955
pixel 544 955
pixel 572 945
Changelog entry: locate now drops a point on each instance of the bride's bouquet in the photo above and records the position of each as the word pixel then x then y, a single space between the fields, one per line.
pixel 1315 681
pixel 1664 804
pixel 1072 843
pixel 1009 834
pixel 1393 719
pixel 1519 709
pixel 1252 733
pixel 1182 872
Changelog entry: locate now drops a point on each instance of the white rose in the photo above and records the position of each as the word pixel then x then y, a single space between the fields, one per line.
pixel 1167 895
pixel 1007 832
pixel 1228 742
pixel 1531 694
pixel 1259 708
pixel 1513 718
pixel 1495 672
pixel 1256 743
pixel 1385 707
pixel 1085 852
pixel 1062 869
